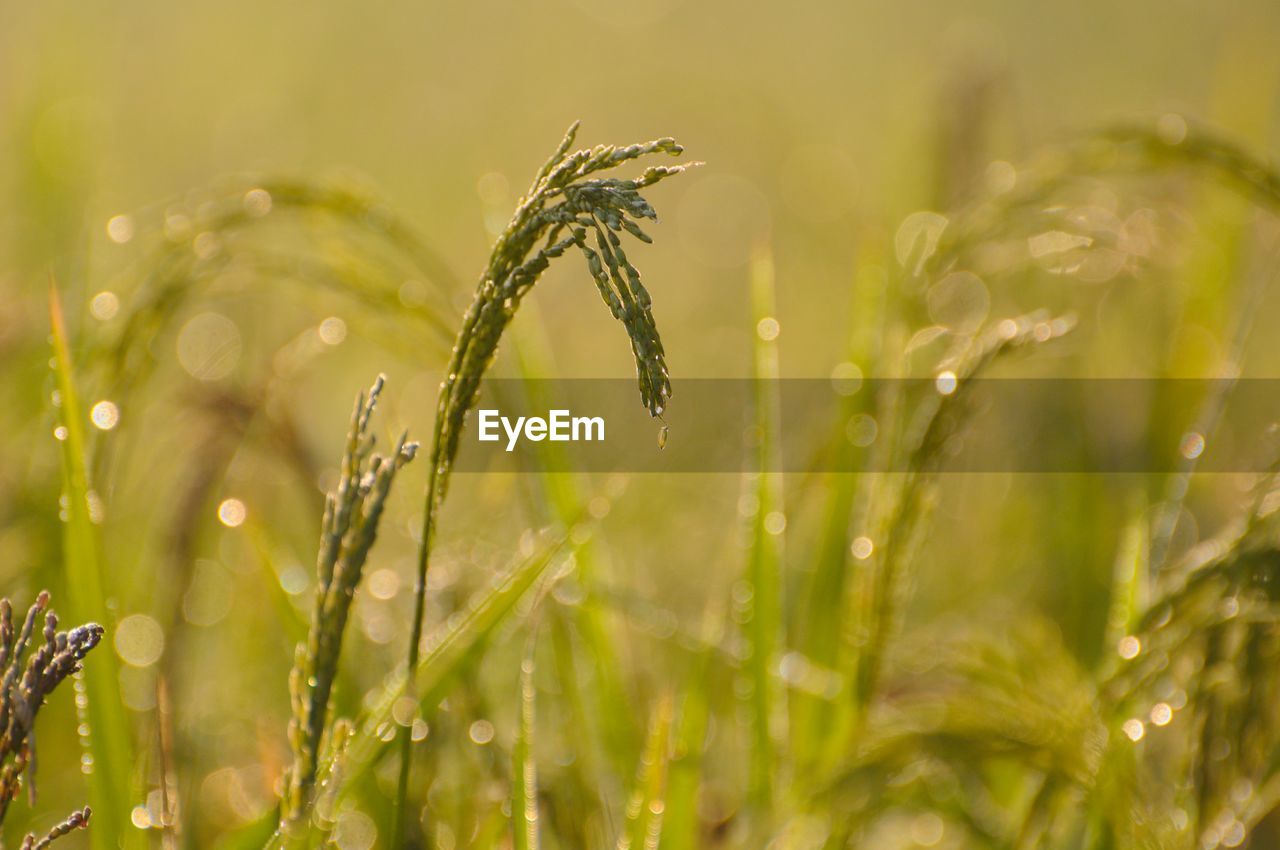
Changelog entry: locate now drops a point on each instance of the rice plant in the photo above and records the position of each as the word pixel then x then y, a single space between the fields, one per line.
pixel 564 204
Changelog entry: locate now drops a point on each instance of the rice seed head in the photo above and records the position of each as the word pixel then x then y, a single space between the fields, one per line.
pixel 32 669
pixel 567 206
pixel 74 821
pixel 349 528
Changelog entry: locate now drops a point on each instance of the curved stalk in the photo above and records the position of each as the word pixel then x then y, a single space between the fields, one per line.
pixel 563 205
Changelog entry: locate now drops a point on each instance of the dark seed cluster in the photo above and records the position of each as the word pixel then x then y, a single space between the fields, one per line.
pixel 74 821
pixel 33 667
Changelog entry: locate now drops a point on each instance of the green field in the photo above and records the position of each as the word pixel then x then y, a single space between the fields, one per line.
pixel 222 226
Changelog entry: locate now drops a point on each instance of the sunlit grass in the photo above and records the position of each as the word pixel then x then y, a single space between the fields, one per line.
pixel 814 703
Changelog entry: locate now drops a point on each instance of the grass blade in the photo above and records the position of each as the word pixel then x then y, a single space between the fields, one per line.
pixel 596 784
pixel 765 555
pixel 819 632
pixel 110 737
pixel 1128 585
pixel 647 804
pixel 680 815
pixel 524 770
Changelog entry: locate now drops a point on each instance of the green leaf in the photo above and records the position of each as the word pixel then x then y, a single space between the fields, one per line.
pixel 110 736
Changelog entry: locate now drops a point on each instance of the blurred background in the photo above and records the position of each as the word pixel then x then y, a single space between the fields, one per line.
pixel 217 419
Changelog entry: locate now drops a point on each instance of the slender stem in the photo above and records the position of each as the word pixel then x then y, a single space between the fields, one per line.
pixel 419 612
pixel 1207 418
pixel 420 605
pixel 436 479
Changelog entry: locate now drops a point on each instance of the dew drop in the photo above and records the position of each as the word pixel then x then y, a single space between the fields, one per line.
pixel 120 229
pixel 768 329
pixel 257 202
pixel 775 522
pixel 332 331
pixel 481 732
pixel 232 513
pixel 104 306
pixel 104 415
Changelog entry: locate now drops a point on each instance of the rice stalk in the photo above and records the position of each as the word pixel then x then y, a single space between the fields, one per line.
pixel 205 232
pixel 563 206
pixel 944 415
pixel 229 229
pixel 348 532
pixel 1140 149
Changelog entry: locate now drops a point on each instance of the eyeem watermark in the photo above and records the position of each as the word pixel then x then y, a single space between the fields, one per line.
pixel 559 426
pixel 976 425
